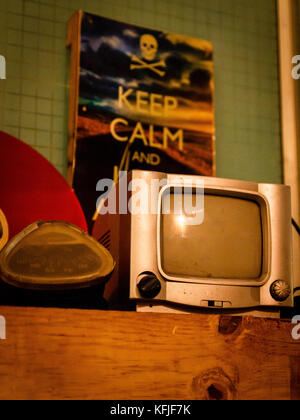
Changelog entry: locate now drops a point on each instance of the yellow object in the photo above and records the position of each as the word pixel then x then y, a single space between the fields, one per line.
pixel 55 255
pixel 3 230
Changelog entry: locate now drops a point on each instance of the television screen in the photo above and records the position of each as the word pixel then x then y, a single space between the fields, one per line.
pixel 228 244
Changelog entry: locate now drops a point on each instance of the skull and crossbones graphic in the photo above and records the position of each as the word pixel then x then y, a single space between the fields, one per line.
pixel 149 47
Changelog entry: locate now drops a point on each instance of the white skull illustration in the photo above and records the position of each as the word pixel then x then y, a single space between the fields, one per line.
pixel 149 47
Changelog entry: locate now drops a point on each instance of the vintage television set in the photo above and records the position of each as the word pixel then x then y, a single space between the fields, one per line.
pixel 237 257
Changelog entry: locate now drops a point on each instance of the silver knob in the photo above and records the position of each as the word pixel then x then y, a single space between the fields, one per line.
pixel 280 290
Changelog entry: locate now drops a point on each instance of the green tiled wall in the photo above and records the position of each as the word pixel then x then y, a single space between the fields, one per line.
pixel 34 98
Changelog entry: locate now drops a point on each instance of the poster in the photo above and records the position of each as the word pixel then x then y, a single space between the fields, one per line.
pixel 143 100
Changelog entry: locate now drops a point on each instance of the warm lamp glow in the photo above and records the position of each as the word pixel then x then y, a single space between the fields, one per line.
pixel 181 220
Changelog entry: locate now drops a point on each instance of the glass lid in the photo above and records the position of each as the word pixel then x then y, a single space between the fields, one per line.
pixel 57 255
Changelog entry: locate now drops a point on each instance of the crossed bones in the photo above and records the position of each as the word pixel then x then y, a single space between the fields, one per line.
pixel 140 64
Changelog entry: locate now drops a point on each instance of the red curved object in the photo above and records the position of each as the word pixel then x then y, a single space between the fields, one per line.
pixel 32 190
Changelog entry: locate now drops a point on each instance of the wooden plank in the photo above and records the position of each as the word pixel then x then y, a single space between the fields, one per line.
pixel 295 378
pixel 72 354
pixel 73 42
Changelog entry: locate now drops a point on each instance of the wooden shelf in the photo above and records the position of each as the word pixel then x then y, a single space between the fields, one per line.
pixel 74 354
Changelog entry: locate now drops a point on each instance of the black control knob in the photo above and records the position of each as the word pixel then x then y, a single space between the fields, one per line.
pixel 149 286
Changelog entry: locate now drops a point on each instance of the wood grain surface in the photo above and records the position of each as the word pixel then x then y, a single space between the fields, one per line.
pixel 73 354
